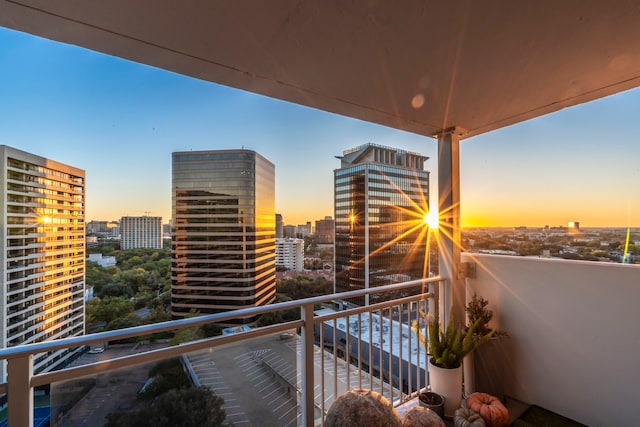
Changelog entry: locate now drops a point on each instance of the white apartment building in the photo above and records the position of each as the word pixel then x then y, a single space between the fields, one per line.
pixel 290 254
pixel 141 232
pixel 42 246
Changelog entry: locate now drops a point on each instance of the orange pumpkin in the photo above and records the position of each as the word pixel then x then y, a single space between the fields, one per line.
pixel 492 411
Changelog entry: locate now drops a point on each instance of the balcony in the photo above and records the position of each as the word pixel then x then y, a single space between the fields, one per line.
pixel 389 358
pixel 566 321
pixel 448 70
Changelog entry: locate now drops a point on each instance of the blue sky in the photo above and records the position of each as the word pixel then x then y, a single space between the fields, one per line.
pixel 120 121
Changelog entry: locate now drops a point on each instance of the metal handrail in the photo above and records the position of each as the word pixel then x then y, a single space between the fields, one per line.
pixel 21 379
pixel 136 331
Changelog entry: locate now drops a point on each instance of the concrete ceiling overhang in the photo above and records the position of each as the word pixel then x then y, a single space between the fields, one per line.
pixel 421 66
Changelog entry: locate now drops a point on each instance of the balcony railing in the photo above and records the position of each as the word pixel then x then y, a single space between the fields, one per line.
pixel 373 345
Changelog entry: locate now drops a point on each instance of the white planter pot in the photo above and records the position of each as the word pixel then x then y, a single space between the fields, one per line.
pixel 448 383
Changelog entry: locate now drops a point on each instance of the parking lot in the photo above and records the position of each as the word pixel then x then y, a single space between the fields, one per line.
pixel 243 375
pixel 256 378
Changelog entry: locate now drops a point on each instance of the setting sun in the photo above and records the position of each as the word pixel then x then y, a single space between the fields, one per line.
pixel 431 219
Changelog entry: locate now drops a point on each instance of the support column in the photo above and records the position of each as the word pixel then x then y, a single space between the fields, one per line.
pixel 366 233
pixel 452 297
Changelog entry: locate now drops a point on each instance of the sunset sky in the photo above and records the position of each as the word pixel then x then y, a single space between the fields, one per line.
pixel 120 121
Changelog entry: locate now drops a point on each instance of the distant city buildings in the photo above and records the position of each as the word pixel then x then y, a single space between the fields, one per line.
pixel 290 254
pixel 279 225
pixel 166 230
pixel 104 229
pixel 585 244
pixel 100 232
pixel 43 254
pixel 289 231
pixel 303 230
pixel 324 230
pixel 381 199
pixel 97 227
pixel 574 227
pixel 223 240
pixel 140 232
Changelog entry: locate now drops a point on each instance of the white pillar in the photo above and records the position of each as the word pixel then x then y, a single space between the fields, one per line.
pixel 20 396
pixel 452 296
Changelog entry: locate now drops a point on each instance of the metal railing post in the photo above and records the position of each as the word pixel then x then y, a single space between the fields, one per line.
pixel 308 388
pixel 20 397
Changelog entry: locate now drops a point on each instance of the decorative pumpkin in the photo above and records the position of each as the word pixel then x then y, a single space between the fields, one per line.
pixel 467 417
pixel 362 407
pixel 420 416
pixel 489 407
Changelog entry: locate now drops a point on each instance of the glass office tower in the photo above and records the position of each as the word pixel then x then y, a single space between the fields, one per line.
pixel 223 235
pixel 381 199
pixel 43 254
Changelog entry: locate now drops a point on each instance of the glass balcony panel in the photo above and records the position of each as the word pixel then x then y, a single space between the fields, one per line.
pixel 274 372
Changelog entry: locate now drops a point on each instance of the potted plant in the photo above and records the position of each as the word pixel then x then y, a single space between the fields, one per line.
pixel 483 369
pixel 447 348
pixel 432 401
pixel 477 310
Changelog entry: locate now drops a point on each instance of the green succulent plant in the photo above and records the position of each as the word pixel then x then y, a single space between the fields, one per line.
pixel 447 348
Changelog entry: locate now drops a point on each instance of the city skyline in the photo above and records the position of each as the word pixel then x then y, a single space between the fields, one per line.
pixel 120 121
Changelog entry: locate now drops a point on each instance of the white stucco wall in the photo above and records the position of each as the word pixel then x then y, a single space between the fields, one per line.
pixel 575 337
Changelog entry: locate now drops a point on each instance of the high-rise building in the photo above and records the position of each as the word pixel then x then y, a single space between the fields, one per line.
pixel 279 225
pixel 324 230
pixel 141 232
pixel 43 253
pixel 381 200
pixel 290 254
pixel 223 240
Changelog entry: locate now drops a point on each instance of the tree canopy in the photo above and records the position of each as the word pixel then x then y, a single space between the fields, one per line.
pixel 173 402
pixel 185 407
pixel 141 279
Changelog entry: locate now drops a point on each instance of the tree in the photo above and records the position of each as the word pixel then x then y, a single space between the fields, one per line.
pixel 136 277
pixel 189 334
pixel 172 402
pixel 279 316
pixel 107 309
pixel 144 274
pixel 128 321
pixel 97 276
pixel 167 375
pixel 117 290
pixel 185 407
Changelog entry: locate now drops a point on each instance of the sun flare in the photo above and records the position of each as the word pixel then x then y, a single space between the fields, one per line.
pixel 431 219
